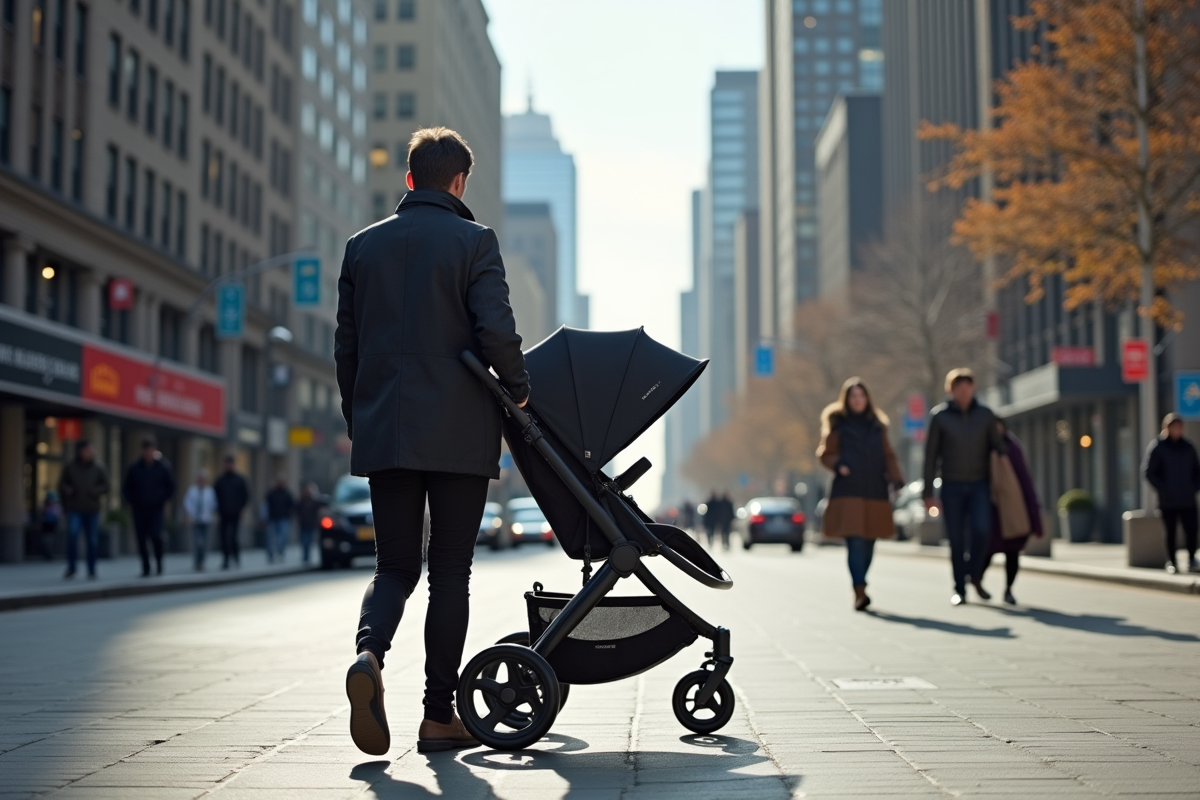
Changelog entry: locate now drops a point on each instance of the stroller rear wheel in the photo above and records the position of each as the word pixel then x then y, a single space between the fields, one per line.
pixel 706 718
pixel 522 638
pixel 508 697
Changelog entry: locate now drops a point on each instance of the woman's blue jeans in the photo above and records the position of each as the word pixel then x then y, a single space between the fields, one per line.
pixel 859 552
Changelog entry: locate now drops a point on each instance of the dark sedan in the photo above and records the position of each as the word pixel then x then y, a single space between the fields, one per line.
pixel 774 520
pixel 347 527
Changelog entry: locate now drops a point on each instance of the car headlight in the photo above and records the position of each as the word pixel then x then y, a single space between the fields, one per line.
pixel 545 527
pixel 518 528
pixel 497 522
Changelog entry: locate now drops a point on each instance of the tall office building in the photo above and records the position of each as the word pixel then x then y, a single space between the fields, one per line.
pixel 683 420
pixel 432 63
pixel 849 181
pixel 815 49
pixel 732 190
pixel 136 143
pixel 536 170
pixel 747 294
pixel 530 244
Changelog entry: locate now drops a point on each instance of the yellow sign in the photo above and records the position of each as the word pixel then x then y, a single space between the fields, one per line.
pixel 104 381
pixel 300 436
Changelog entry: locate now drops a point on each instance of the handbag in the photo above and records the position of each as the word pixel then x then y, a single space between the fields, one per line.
pixel 1008 498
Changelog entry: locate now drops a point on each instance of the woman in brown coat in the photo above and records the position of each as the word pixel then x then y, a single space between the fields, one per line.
pixel 854 445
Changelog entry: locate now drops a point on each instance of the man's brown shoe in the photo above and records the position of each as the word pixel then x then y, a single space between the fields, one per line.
pixel 436 736
pixel 368 722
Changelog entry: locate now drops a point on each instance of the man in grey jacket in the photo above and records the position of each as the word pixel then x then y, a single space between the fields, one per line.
pixel 416 289
pixel 962 435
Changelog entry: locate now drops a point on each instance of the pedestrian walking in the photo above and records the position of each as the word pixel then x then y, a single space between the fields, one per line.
pixel 712 515
pixel 725 518
pixel 1024 509
pixel 962 435
pixel 855 447
pixel 82 485
pixel 200 506
pixel 687 516
pixel 149 486
pixel 281 505
pixel 233 495
pixel 415 291
pixel 308 513
pixel 1173 469
pixel 51 516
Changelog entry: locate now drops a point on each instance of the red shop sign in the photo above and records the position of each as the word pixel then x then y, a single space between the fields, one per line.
pixel 120 294
pixel 1135 360
pixel 168 396
pixel 1074 356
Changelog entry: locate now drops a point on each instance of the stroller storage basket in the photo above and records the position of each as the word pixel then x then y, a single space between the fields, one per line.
pixel 622 636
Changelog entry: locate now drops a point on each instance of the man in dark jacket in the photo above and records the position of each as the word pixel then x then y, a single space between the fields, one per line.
pixel 417 289
pixel 232 496
pixel 962 435
pixel 281 504
pixel 82 483
pixel 1173 469
pixel 149 486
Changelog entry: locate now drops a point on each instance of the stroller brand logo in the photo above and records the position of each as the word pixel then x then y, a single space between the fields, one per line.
pixel 606 647
pixel 652 388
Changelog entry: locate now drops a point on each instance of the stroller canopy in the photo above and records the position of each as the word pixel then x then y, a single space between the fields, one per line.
pixel 598 391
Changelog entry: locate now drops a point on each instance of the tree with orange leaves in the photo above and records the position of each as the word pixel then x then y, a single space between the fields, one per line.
pixel 1070 175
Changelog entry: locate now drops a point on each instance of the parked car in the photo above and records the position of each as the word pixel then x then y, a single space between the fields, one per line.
pixel 525 522
pixel 774 519
pixel 347 526
pixel 908 508
pixel 491 527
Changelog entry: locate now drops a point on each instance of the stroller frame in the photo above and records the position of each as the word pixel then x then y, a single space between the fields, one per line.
pixel 624 560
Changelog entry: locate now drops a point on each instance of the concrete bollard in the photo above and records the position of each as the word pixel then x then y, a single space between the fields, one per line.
pixel 1144 539
pixel 929 532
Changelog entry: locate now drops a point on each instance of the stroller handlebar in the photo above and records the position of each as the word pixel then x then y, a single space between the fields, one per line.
pixel 695 572
pixel 492 382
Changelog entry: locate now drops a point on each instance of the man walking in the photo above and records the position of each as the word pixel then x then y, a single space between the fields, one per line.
pixel 82 484
pixel 149 485
pixel 962 435
pixel 416 289
pixel 1173 469
pixel 200 505
pixel 232 496
pixel 280 507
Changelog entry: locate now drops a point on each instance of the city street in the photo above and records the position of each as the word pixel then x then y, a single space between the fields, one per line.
pixel 1085 690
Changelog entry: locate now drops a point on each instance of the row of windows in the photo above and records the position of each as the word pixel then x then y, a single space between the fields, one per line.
pixel 164 115
pixel 314 70
pixel 331 142
pixel 58 147
pixel 176 16
pixel 822 45
pixel 326 29
pixel 58 30
pixel 406 57
pixel 843 7
pixel 406 105
pixel 245 38
pixel 219 254
pixel 244 118
pixel 162 216
pixel 824 67
pixel 319 183
pixel 406 10
pixel 230 188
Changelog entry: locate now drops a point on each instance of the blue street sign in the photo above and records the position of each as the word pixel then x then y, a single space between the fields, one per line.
pixel 764 361
pixel 307 288
pixel 1187 394
pixel 231 310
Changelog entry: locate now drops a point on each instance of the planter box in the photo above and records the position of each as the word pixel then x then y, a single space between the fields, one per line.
pixel 1077 525
pixel 1145 543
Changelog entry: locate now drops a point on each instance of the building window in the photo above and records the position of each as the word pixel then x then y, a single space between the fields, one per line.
pixel 170 330
pixel 218 249
pixel 379 106
pixel 219 98
pixel 406 105
pixel 217 175
pixel 406 10
pixel 285 28
pixel 148 206
pixel 258 132
pixel 360 29
pixel 130 193
pixel 343 55
pixel 359 122
pixel 206 168
pixel 285 100
pixel 206 84
pixel 360 75
pixel 185 29
pixel 164 227
pixel 325 83
pixel 169 23
pixel 5 124
pixel 308 12
pixel 152 14
pixel 204 252
pixel 308 119
pixel 327 29
pixel 114 325
pixel 183 126
pixel 220 23
pixel 308 63
pixel 151 99
pixel 77 165
pixel 56 155
pixel 249 379
pixel 114 70
pixel 234 101
pixel 133 69
pixel 60 29
pixel 168 120
pixel 35 143
pixel 38 24
pixel 81 20
pixel 380 53
pixel 207 351
pixel 406 56
pixel 110 183
pixel 181 226
pixel 381 7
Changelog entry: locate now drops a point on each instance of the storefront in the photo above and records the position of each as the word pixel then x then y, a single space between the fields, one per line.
pixel 58 385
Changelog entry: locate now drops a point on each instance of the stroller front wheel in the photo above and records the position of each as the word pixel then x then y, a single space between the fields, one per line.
pixel 706 718
pixel 522 638
pixel 508 697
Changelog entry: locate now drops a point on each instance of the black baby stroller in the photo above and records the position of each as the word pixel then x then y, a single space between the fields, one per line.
pixel 594 393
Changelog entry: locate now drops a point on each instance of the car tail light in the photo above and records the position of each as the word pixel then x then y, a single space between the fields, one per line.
pixel 326 522
pixel 757 519
pixel 798 517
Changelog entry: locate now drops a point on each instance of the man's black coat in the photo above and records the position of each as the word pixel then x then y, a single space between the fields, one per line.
pixel 416 290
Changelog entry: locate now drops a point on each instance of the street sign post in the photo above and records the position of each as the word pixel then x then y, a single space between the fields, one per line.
pixel 231 311
pixel 1187 394
pixel 306 291
pixel 1135 360
pixel 764 361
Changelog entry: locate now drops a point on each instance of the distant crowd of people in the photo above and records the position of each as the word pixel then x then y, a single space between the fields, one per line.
pixel 209 508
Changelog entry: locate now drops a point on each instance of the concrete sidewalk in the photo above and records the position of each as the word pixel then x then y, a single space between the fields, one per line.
pixel 1090 561
pixel 41 583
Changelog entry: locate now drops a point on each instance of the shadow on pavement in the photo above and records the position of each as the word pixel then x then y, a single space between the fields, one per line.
pixel 454 779
pixel 1095 623
pixel 947 627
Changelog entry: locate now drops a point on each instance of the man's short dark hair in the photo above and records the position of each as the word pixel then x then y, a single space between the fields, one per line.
pixel 147 442
pixel 81 444
pixel 436 156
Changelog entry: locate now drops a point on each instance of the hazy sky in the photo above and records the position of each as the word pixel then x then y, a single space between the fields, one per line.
pixel 626 84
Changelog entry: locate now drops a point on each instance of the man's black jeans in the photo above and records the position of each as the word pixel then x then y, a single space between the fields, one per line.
pixel 455 509
pixel 148 523
pixel 229 540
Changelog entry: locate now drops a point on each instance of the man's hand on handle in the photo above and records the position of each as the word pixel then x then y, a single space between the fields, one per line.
pixel 523 403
